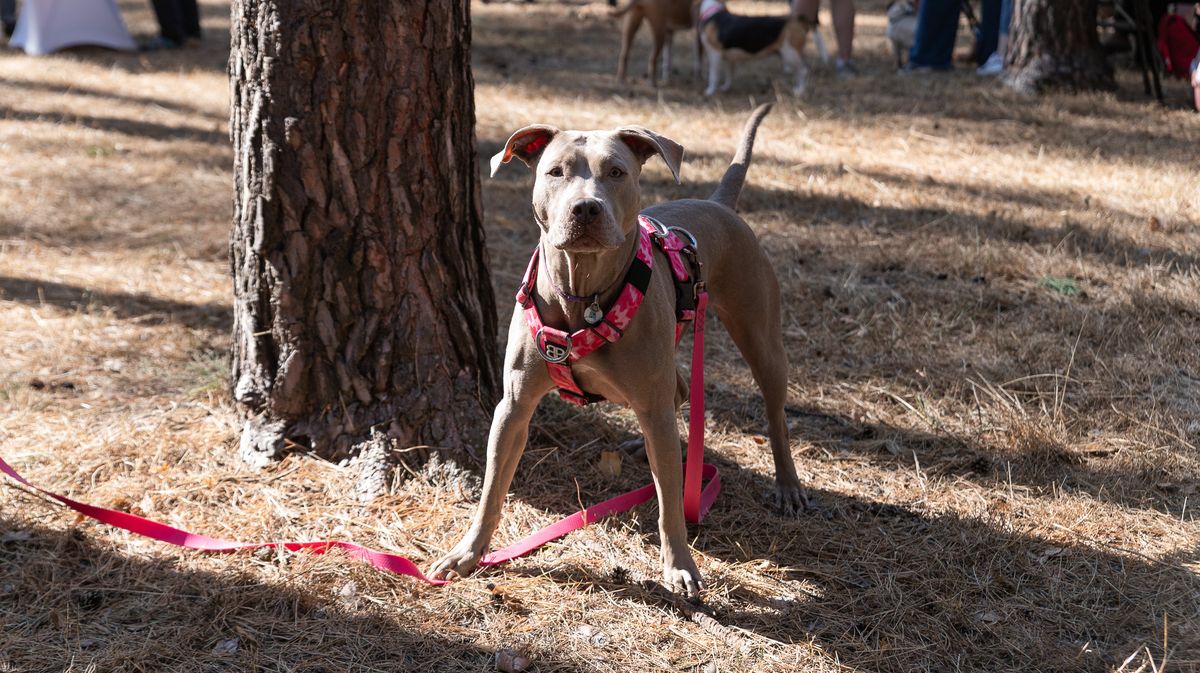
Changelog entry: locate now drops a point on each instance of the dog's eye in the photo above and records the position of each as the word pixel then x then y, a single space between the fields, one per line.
pixel 615 172
pixel 555 172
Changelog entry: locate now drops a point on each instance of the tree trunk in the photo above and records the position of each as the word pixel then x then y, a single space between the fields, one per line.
pixel 1053 44
pixel 362 297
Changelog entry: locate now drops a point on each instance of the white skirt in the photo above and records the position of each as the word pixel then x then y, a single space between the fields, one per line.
pixel 45 26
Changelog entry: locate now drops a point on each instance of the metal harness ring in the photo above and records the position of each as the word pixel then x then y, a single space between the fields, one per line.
pixel 660 230
pixel 695 245
pixel 559 354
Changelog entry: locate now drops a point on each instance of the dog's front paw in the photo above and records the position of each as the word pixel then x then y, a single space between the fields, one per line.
pixel 790 497
pixel 459 562
pixel 682 577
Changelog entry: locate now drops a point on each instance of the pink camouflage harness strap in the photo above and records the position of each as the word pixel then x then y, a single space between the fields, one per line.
pixel 560 350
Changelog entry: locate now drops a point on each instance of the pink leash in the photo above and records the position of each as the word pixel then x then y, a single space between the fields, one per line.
pixel 696 500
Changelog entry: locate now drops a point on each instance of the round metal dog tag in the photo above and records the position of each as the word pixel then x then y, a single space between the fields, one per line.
pixel 593 314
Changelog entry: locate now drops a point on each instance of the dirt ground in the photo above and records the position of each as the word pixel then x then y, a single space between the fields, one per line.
pixel 992 310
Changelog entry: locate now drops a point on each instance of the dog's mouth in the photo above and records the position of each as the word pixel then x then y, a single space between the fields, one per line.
pixel 571 236
pixel 586 242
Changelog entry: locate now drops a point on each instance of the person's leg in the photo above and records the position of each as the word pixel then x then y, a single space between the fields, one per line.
pixel 1157 9
pixel 843 28
pixel 937 24
pixel 988 35
pixel 1196 82
pixel 190 18
pixel 170 21
pixel 8 15
pixel 1006 10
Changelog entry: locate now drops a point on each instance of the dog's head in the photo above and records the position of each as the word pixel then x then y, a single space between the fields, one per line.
pixel 586 195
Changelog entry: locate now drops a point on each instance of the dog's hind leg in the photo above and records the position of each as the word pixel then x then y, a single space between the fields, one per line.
pixel 819 40
pixel 796 60
pixel 660 38
pixel 668 47
pixel 750 311
pixel 714 69
pixel 633 21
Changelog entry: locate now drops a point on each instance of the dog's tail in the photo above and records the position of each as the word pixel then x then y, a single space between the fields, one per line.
pixel 730 187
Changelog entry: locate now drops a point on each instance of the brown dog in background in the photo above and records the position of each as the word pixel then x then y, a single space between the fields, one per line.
pixel 665 17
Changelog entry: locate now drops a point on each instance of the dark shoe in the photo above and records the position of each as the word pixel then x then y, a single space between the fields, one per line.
pixel 911 68
pixel 158 43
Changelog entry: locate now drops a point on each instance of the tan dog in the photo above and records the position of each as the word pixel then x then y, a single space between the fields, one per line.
pixel 728 38
pixel 665 17
pixel 586 200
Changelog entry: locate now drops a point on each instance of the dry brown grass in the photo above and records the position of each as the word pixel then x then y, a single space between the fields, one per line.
pixel 1005 473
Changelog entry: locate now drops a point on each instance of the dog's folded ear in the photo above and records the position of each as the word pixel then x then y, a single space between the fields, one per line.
pixel 645 143
pixel 526 144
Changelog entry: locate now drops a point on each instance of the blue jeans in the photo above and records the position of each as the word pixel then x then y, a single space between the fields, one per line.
pixel 933 45
pixel 995 18
pixel 8 11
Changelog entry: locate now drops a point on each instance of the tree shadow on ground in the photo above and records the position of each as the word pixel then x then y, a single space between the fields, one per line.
pixel 130 127
pixel 879 584
pixel 965 227
pixel 77 89
pixel 69 602
pixel 144 308
pixel 884 587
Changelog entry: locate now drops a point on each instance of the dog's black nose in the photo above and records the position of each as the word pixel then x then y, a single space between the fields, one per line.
pixel 586 210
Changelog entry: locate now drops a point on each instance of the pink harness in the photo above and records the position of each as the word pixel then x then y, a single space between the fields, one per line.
pixel 560 350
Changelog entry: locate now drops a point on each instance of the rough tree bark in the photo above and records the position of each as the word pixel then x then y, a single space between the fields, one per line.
pixel 362 297
pixel 1053 44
